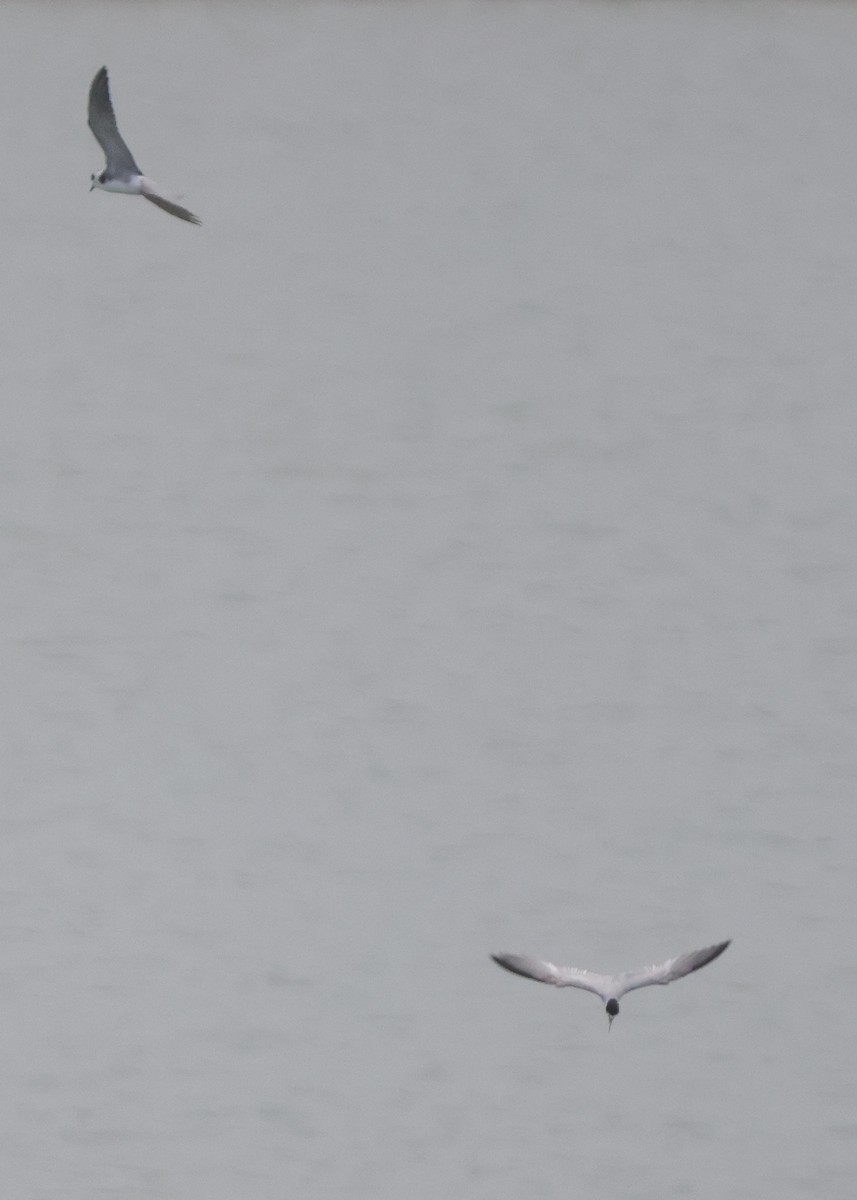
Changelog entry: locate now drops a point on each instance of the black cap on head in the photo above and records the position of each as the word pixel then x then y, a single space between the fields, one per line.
pixel 612 1007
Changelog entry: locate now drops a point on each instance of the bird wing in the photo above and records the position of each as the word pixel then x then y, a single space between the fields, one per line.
pixel 673 968
pixel 102 122
pixel 147 189
pixel 546 972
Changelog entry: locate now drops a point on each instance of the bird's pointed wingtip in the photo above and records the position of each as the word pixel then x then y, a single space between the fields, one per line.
pixel 510 962
pixel 99 86
pixel 718 949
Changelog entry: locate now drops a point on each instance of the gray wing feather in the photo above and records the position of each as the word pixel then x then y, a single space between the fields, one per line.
pixel 673 968
pixel 546 972
pixel 169 206
pixel 102 122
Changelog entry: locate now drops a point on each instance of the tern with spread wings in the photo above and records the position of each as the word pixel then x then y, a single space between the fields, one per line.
pixel 609 988
pixel 121 174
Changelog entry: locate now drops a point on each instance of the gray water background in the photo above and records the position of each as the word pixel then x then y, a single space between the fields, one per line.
pixel 448 547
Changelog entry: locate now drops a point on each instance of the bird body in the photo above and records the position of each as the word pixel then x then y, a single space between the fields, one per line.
pixel 121 174
pixel 130 185
pixel 609 988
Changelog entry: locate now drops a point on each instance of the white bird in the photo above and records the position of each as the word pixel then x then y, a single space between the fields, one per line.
pixel 121 173
pixel 609 987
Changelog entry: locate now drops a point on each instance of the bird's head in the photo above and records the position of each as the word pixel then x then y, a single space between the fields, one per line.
pixel 96 180
pixel 612 1011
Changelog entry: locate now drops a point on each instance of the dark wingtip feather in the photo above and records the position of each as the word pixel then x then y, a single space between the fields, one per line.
pixel 99 93
pixel 511 962
pixel 99 81
pixel 714 952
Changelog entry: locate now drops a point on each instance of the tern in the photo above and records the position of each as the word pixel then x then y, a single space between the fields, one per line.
pixel 121 174
pixel 609 988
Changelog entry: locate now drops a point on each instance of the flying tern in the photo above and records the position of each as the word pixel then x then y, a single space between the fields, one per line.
pixel 609 988
pixel 121 173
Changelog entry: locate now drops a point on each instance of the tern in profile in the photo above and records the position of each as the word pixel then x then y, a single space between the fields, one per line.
pixel 609 988
pixel 121 173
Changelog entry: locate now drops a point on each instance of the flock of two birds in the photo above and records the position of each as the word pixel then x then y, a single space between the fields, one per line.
pixel 121 174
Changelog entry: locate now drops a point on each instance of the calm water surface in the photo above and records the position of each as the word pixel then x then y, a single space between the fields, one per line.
pixel 449 547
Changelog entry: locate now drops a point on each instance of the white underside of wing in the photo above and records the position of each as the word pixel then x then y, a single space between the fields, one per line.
pixel 672 969
pixel 546 972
